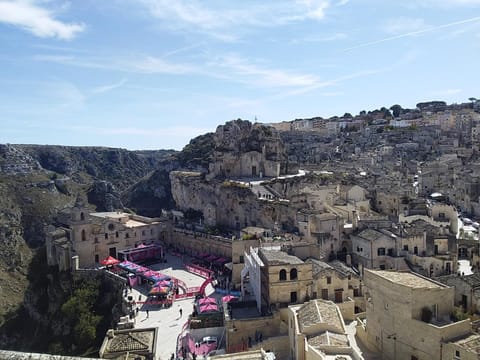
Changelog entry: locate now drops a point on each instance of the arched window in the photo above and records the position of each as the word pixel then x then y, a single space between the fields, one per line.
pixel 82 216
pixel 293 274
pixel 283 274
pixel 84 237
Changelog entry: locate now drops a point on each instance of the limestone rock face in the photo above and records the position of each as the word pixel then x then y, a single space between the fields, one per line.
pixel 241 136
pixel 14 161
pixel 104 196
pixel 118 166
pixel 150 195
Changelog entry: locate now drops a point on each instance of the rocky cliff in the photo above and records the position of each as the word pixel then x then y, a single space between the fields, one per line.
pixel 37 181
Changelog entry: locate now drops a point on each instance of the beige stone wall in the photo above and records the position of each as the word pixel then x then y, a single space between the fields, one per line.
pixel 336 283
pixel 102 234
pixel 388 203
pixel 393 311
pixel 347 308
pixel 238 331
pixel 239 247
pixel 434 266
pixel 280 290
pixel 276 344
pixel 449 350
pixel 418 241
pixel 192 243
pixel 449 213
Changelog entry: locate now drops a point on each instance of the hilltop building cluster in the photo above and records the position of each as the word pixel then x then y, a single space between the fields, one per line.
pixel 364 245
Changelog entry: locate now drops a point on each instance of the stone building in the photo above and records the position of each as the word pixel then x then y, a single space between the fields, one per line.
pixel 276 278
pixel 467 290
pixel 94 236
pixel 339 283
pixel 376 249
pixel 408 316
pixel 317 332
pixel 130 344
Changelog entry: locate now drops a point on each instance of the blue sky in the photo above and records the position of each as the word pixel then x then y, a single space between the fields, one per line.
pixel 152 74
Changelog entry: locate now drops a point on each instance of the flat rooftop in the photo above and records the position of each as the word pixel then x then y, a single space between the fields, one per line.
pixel 110 214
pixel 134 223
pixel 408 279
pixel 276 257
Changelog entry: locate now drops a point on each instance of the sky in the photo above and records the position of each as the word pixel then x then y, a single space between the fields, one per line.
pixel 152 74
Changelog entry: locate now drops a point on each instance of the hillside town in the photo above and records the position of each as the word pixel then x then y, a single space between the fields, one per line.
pixel 342 238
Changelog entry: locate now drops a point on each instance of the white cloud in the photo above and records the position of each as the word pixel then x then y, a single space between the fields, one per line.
pixel 320 38
pixel 315 9
pixel 38 20
pixel 230 67
pixel 248 72
pixel 224 21
pixel 155 65
pixel 404 25
pixel 106 88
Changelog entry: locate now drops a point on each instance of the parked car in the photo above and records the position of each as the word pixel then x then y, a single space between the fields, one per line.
pixel 210 343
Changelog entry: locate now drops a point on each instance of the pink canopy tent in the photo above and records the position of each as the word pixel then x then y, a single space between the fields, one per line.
pixel 149 273
pixel 207 300
pixel 159 290
pixel 141 270
pixel 228 298
pixel 164 283
pixel 208 307
pixel 110 261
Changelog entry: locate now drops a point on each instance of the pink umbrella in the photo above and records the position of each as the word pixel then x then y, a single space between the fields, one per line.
pixel 207 300
pixel 228 298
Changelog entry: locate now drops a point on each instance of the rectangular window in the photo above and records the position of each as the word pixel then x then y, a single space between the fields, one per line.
pixel 405 247
pixel 381 251
pixel 457 354
pixel 106 236
pixel 329 279
pixel 325 294
pixel 241 259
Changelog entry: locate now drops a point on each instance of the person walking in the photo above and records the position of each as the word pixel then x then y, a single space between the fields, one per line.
pixel 148 314
pixel 180 311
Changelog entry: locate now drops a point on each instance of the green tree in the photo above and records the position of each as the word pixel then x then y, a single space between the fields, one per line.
pixel 396 110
